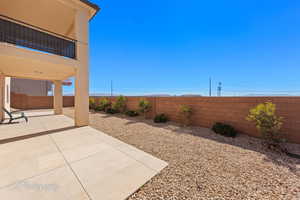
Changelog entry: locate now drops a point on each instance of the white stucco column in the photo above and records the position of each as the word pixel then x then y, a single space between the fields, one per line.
pixel 82 71
pixel 2 96
pixel 58 98
pixel 7 93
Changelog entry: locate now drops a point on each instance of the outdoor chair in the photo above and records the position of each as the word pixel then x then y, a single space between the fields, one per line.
pixel 14 115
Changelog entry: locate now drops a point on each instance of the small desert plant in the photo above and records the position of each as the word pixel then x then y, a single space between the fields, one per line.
pixel 92 103
pixel 224 129
pixel 103 105
pixel 267 123
pixel 161 118
pixel 120 104
pixel 131 113
pixel 111 111
pixel 185 113
pixel 144 106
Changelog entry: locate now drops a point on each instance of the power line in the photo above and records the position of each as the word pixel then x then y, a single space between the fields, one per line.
pixel 111 88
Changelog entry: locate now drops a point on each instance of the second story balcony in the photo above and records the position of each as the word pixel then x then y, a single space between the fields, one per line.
pixel 47 40
pixel 44 39
pixel 25 35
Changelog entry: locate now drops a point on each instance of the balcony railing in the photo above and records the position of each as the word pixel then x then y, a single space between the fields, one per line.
pixel 25 35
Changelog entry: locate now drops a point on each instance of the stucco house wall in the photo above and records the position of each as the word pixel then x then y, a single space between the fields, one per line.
pixel 31 87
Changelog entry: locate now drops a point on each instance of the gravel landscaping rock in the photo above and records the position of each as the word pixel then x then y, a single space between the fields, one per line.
pixel 204 165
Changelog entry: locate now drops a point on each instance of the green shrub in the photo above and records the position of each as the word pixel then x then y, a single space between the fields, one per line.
pixel 144 106
pixel 114 106
pixel 267 122
pixel 131 113
pixel 98 108
pixel 185 113
pixel 224 129
pixel 120 104
pixel 111 111
pixel 161 118
pixel 92 103
pixel 103 105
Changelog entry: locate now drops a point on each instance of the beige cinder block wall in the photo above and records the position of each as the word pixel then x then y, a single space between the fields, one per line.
pixel 231 110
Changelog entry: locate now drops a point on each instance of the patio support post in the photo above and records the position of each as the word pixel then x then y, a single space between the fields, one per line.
pixel 2 96
pixel 58 98
pixel 7 81
pixel 82 71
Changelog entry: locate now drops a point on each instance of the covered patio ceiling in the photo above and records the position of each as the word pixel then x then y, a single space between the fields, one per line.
pixel 25 63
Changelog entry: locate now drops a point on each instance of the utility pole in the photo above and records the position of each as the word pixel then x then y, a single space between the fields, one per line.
pixel 210 86
pixel 220 89
pixel 111 88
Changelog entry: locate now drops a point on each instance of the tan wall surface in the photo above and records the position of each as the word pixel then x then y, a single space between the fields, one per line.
pixel 206 110
pixel 22 101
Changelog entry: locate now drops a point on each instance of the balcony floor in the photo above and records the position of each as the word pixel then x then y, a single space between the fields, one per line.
pixel 48 158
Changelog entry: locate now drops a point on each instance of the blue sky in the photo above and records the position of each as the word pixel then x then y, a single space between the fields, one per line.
pixel 172 46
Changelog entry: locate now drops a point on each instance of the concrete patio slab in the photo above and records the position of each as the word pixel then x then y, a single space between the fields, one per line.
pixel 27 158
pixel 93 165
pixel 119 175
pixel 149 160
pixel 75 145
pixel 57 122
pixel 59 184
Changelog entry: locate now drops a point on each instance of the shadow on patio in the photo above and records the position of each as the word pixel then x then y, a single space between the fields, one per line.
pixel 40 123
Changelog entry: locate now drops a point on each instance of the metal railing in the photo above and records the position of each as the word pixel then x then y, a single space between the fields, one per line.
pixel 22 34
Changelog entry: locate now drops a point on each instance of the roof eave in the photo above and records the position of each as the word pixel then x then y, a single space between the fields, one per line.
pixel 92 5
